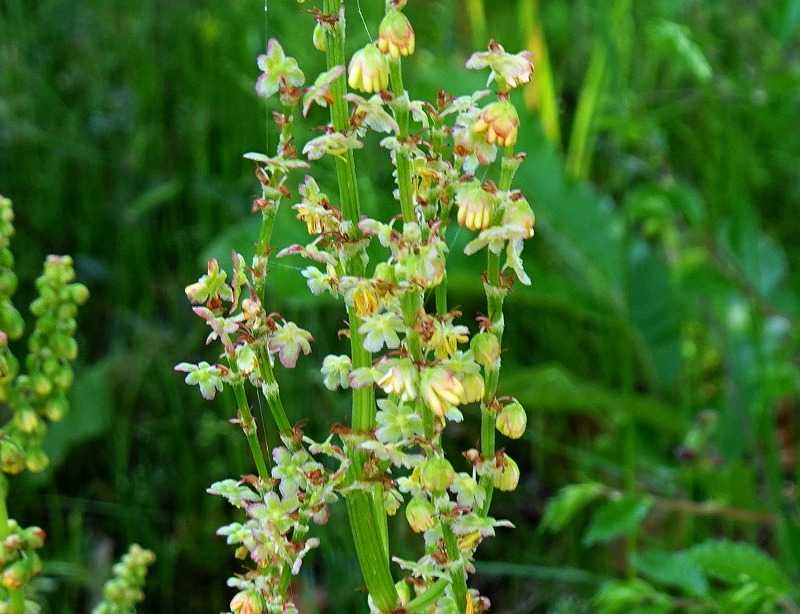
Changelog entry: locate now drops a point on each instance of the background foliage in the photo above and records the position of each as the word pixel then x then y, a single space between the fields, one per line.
pixel 656 351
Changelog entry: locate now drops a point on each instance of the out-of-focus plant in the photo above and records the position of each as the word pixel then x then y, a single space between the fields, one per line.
pixel 124 590
pixel 405 340
pixel 34 396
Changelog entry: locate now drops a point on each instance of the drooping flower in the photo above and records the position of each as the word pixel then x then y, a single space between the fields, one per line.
pixel 369 70
pixel 364 297
pixel 277 68
pixel 320 92
pixel 475 205
pixel 288 341
pixel 381 329
pixel 508 69
pixel 207 377
pixel 485 348
pixel 336 371
pixel 469 144
pixel 436 474
pixel 441 390
pixel 512 420
pixel 395 35
pixel 420 514
pixel 498 123
pixel 506 474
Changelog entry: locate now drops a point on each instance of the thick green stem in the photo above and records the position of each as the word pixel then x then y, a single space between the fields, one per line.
pixel 458 574
pixel 369 534
pixel 494 300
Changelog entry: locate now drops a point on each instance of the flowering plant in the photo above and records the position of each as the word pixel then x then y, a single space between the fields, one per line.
pixel 405 343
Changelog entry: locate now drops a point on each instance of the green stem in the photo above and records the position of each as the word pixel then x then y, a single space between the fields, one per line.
pixel 369 534
pixel 494 300
pixel 272 392
pixel 458 574
pixel 248 423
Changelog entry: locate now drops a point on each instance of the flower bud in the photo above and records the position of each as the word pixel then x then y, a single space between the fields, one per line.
pixel 499 123
pixel 473 388
pixel 506 475
pixel 26 420
pixel 37 461
pixel 420 514
pixel 512 420
pixel 79 293
pixel 437 474
pixel 247 602
pixel 396 36
pixel 320 38
pixel 55 409
pixel 369 70
pixel 486 349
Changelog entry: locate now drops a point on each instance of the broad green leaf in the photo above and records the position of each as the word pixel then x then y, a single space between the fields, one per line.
pixel 735 563
pixel 570 500
pixel 552 388
pixel 617 518
pixel 672 569
pixel 90 410
pixel 629 596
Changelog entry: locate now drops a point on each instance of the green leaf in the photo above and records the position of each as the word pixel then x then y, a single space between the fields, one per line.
pixel 570 500
pixel 617 518
pixel 551 388
pixel 735 563
pixel 672 569
pixel 89 412
pixel 632 596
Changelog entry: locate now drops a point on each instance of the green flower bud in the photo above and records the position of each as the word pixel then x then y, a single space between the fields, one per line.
pixel 8 283
pixel 55 409
pixel 320 38
pixel 512 420
pixel 486 349
pixel 437 474
pixel 12 458
pixel 17 574
pixel 404 592
pixel 396 36
pixel 34 537
pixel 26 420
pixel 37 461
pixel 11 321
pixel 41 385
pixel 80 293
pixel 506 476
pixel 420 514
pixel 473 388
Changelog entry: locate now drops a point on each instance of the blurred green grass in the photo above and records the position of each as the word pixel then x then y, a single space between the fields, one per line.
pixel 122 126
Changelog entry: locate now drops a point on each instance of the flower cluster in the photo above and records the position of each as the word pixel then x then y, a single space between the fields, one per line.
pixel 40 393
pixel 124 590
pixel 19 561
pixel 427 363
pixel 279 514
pixel 33 396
